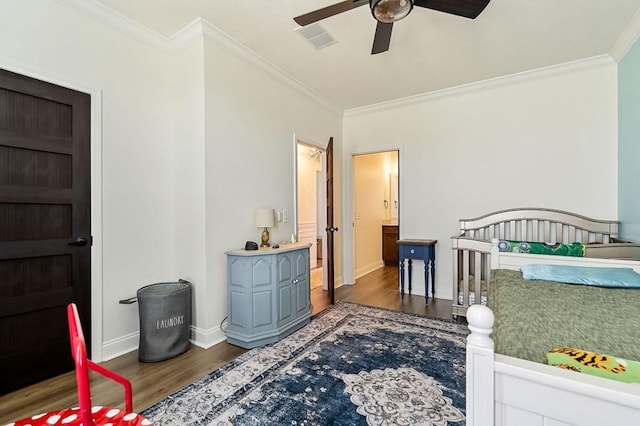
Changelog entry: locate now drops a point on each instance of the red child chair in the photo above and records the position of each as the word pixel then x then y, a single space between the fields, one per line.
pixel 87 415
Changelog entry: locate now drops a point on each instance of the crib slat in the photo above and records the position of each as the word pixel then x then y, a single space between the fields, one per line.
pixel 465 277
pixel 456 275
pixel 535 230
pixel 477 276
pixel 547 230
pixel 523 230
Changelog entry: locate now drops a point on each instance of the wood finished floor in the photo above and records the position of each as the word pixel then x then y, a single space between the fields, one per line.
pixel 154 381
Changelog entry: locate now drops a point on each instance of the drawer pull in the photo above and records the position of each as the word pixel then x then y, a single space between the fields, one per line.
pixel 296 281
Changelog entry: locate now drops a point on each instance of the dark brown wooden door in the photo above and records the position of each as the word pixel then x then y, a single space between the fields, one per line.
pixel 331 229
pixel 45 229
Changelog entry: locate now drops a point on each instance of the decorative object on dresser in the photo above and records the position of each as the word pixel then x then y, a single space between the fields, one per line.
pixel 267 293
pixel 264 219
pixel 424 250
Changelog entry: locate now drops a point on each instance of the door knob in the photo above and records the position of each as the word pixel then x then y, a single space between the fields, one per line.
pixel 332 229
pixel 79 242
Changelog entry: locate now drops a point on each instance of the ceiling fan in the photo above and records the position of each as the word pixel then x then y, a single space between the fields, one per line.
pixel 386 12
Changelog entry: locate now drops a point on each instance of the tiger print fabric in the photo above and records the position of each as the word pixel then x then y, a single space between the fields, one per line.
pixel 596 364
pixel 591 359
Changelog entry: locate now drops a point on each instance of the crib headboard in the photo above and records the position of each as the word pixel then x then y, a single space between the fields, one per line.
pixel 542 225
pixel 472 247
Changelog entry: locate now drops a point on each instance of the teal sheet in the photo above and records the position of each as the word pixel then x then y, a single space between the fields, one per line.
pixel 585 275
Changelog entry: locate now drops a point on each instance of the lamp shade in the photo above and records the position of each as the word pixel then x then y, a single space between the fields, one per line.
pixel 264 218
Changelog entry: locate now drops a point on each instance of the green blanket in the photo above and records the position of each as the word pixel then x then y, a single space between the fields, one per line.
pixel 558 249
pixel 534 316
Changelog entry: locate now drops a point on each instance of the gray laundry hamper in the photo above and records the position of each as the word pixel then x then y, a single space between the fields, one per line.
pixel 165 320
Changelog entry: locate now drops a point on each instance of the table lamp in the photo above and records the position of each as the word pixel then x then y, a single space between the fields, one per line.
pixel 264 219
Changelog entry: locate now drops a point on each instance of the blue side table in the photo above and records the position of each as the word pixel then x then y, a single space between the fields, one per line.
pixel 418 249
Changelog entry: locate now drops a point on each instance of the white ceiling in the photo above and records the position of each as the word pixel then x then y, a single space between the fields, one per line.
pixel 429 50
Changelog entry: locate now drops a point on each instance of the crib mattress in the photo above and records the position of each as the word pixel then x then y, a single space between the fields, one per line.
pixel 535 316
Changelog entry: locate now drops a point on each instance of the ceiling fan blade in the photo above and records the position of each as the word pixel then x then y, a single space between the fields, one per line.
pixel 465 8
pixel 382 39
pixel 325 12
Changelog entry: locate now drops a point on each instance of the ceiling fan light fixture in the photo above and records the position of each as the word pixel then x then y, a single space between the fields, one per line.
pixel 389 11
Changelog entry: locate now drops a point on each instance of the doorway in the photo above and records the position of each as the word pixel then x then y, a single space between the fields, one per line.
pixel 310 214
pixel 376 206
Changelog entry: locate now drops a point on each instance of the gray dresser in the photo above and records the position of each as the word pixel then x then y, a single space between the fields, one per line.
pixel 267 294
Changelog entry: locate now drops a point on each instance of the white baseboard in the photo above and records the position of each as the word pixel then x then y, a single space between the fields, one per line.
pixel 129 343
pixel 120 346
pixel 207 338
pixel 364 270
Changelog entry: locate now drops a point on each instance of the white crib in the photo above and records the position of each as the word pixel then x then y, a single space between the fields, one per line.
pixel 472 246
pixel 506 391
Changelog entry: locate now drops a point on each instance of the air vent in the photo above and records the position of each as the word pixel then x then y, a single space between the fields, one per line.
pixel 316 35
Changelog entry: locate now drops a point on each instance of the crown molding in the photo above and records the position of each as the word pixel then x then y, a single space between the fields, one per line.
pixel 226 42
pixel 114 20
pixel 185 37
pixel 196 30
pixel 201 29
pixel 508 80
pixel 627 39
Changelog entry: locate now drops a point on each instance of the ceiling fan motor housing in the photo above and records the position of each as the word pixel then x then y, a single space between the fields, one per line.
pixel 389 11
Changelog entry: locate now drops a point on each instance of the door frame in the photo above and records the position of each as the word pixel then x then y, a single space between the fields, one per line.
pixel 322 202
pixel 349 255
pixel 96 189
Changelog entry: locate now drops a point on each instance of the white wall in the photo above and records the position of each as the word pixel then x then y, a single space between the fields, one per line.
pixel 545 142
pixel 250 122
pixel 187 112
pixel 48 40
pixel 188 142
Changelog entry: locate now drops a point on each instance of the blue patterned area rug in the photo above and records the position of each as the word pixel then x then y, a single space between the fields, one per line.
pixel 352 365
